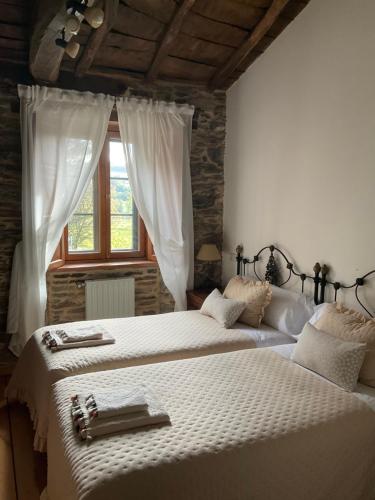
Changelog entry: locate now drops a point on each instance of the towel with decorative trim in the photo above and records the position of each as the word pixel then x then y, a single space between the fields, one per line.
pixel 110 404
pixel 54 341
pixel 88 427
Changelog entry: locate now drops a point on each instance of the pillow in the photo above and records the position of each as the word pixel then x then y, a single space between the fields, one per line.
pixel 288 311
pixel 256 294
pixel 336 360
pixel 347 324
pixel 318 312
pixel 225 311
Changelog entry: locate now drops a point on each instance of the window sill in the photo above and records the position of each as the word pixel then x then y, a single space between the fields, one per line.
pixel 102 266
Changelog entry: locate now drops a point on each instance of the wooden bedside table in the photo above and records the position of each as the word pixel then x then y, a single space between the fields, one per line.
pixel 195 298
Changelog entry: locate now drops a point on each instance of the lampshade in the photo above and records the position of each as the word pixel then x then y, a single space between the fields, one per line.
pixel 208 252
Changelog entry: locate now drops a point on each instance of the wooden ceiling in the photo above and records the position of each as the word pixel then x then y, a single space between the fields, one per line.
pixel 202 42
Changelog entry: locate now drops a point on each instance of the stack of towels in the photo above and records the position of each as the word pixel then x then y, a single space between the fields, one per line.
pixel 86 336
pixel 103 413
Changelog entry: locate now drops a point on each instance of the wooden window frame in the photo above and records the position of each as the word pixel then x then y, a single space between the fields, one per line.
pixel 105 254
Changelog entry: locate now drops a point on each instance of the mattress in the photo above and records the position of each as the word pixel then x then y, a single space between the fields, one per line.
pixel 139 340
pixel 245 424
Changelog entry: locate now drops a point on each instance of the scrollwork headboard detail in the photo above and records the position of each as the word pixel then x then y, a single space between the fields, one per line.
pixel 359 282
pixel 319 278
pixel 272 273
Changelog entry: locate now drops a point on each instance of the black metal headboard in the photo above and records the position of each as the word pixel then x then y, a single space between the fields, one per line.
pixel 272 274
pixel 319 278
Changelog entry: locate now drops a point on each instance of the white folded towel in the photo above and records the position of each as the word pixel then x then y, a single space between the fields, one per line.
pixel 93 332
pixel 78 334
pixel 55 343
pixel 88 428
pixel 110 404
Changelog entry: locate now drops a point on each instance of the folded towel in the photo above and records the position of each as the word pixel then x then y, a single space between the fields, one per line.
pixel 55 343
pixel 80 334
pixel 88 428
pixel 110 404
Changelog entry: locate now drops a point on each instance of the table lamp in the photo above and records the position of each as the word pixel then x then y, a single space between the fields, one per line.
pixel 209 253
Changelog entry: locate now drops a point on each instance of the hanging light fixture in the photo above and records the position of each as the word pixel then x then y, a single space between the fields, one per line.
pixel 93 15
pixel 71 48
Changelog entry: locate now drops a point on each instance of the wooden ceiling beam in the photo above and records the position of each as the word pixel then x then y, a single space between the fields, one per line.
pixel 97 37
pixel 261 29
pixel 45 57
pixel 169 37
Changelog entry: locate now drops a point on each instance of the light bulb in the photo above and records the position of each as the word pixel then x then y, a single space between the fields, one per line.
pixel 94 16
pixel 72 24
pixel 72 49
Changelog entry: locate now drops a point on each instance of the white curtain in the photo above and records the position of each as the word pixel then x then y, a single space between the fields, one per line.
pixel 62 135
pixel 156 137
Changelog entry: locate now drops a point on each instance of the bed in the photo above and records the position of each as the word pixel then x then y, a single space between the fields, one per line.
pixel 245 424
pixel 139 340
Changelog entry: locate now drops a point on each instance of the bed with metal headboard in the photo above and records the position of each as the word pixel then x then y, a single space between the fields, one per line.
pixel 320 279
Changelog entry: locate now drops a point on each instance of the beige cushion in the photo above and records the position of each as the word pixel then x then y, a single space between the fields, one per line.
pixel 346 324
pixel 337 360
pixel 225 311
pixel 257 295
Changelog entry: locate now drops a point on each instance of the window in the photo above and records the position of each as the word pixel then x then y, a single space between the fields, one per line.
pixel 106 224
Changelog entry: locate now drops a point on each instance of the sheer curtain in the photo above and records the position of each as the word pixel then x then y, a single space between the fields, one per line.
pixel 62 136
pixel 156 137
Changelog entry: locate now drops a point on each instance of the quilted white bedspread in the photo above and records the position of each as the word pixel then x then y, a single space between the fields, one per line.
pixel 139 340
pixel 244 425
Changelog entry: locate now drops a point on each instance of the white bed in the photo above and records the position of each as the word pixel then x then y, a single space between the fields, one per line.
pixel 245 424
pixel 139 340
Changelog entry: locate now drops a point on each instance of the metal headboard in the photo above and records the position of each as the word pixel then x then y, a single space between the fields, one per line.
pixel 319 278
pixel 272 274
pixel 359 282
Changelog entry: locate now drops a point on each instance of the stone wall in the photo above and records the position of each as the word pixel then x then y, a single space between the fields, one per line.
pixel 10 188
pixel 65 300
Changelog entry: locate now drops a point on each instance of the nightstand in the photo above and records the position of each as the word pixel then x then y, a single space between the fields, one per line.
pixel 195 298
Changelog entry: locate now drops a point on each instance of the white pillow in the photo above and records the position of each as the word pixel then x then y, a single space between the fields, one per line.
pixel 225 311
pixel 318 313
pixel 334 359
pixel 288 311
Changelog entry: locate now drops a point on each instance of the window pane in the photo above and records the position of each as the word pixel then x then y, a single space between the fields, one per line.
pixel 117 159
pixel 81 233
pixel 86 205
pixel 124 216
pixel 123 233
pixel 121 197
pixel 83 226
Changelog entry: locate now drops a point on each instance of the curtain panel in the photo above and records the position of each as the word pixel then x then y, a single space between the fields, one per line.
pixel 156 137
pixel 62 134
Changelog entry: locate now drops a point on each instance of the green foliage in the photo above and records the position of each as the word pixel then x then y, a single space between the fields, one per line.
pixel 82 229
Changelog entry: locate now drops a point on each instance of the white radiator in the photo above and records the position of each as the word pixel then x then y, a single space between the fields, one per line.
pixel 112 298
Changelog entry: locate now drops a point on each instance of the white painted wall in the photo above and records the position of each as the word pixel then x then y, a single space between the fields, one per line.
pixel 300 152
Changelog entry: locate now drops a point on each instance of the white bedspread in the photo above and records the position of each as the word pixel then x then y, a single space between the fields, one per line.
pixel 244 425
pixel 138 341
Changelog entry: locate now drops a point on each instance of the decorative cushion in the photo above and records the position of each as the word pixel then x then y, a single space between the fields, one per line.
pixel 288 311
pixel 337 360
pixel 347 324
pixel 256 294
pixel 225 311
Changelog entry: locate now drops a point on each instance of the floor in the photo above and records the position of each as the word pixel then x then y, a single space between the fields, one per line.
pixel 22 471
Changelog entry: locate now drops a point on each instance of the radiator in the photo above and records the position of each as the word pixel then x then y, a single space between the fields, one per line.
pixel 110 298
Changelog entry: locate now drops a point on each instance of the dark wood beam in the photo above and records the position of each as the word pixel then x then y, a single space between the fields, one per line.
pixel 45 57
pixel 248 45
pixel 169 37
pixel 97 37
pixel 133 79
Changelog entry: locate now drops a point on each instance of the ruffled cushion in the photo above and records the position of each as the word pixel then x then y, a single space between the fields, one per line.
pixel 256 294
